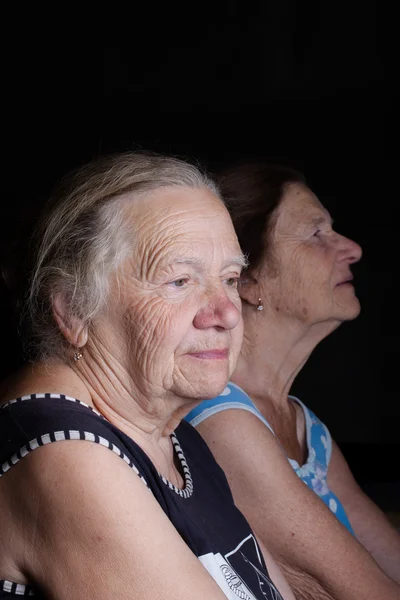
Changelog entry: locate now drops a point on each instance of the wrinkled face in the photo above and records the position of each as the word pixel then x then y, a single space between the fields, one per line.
pixel 310 276
pixel 178 311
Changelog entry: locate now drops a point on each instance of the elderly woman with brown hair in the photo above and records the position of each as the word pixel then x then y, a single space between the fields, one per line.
pixel 287 475
pixel 133 317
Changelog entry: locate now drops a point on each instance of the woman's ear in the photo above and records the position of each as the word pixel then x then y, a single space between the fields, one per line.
pixel 249 289
pixel 73 329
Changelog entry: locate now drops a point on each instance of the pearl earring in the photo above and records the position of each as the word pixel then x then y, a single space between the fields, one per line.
pixel 260 306
pixel 78 355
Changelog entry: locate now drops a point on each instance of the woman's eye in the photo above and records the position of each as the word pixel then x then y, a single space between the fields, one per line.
pixel 232 281
pixel 179 282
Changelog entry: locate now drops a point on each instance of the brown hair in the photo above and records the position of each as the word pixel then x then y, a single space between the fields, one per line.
pixel 252 193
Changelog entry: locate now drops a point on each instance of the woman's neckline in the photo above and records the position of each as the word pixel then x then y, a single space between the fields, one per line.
pixel 184 492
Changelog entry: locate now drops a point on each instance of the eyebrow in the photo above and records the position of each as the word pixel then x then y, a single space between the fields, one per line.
pixel 239 260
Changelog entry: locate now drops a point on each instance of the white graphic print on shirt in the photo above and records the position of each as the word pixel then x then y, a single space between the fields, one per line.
pixel 223 571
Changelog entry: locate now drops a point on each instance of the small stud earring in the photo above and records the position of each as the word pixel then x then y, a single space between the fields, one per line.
pixel 78 355
pixel 260 306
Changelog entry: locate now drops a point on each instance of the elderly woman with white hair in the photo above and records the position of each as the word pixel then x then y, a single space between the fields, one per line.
pixel 132 317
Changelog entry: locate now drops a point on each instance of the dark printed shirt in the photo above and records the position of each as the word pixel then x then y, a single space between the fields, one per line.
pixel 203 512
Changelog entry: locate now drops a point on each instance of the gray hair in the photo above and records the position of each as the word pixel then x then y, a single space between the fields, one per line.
pixel 85 236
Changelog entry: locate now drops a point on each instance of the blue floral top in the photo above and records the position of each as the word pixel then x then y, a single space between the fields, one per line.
pixel 319 443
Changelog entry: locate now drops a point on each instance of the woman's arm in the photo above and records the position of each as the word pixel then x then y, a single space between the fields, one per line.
pixel 92 529
pixel 306 586
pixel 370 525
pixel 287 517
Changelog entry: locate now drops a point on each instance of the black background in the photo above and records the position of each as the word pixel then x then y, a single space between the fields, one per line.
pixel 310 84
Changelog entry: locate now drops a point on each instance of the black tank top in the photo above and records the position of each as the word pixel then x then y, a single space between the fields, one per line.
pixel 203 512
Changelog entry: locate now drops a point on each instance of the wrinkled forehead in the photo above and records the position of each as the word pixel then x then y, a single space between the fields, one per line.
pixel 300 204
pixel 180 208
pixel 180 220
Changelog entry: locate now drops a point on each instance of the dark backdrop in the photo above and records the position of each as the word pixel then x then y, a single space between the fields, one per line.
pixel 297 82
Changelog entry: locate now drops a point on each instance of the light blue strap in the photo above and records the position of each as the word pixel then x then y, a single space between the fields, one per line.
pixel 232 397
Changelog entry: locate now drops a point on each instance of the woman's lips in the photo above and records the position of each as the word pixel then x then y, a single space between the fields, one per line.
pixel 211 354
pixel 349 280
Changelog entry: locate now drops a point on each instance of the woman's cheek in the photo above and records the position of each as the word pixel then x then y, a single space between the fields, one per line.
pixel 143 319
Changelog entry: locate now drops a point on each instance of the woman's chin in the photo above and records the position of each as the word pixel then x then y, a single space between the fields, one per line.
pixel 202 389
pixel 213 388
pixel 349 311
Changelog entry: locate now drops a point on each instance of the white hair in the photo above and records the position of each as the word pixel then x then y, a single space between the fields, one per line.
pixel 85 236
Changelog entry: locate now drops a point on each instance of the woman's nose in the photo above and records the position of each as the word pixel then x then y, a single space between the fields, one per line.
pixel 218 310
pixel 349 251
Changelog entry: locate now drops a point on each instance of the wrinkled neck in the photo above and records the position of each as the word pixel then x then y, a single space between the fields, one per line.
pixel 275 348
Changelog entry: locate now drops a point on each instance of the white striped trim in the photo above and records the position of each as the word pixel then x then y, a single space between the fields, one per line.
pixel 16 588
pixel 46 395
pixel 76 435
pixel 60 436
pixel 48 438
pixel 188 489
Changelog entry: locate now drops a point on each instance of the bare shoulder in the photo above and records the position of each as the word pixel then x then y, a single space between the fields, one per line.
pixel 60 483
pixel 239 431
pixel 251 456
pixel 84 510
pixel 67 478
